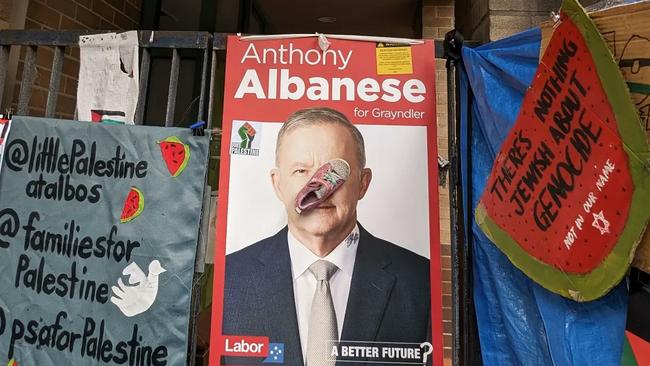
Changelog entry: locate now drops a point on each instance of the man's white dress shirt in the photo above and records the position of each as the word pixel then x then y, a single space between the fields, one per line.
pixel 304 283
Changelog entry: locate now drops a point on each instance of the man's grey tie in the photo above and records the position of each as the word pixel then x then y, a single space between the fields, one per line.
pixel 322 319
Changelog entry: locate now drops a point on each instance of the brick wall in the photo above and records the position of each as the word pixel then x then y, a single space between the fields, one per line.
pixel 508 17
pixel 438 19
pixel 5 13
pixel 107 15
pixel 489 20
pixel 472 19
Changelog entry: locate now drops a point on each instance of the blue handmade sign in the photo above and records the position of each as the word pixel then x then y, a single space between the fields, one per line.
pixel 98 233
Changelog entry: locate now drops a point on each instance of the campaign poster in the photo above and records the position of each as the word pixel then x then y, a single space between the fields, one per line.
pixel 567 199
pixel 98 233
pixel 329 158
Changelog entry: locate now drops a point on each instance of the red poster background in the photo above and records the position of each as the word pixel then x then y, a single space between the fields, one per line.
pixel 361 65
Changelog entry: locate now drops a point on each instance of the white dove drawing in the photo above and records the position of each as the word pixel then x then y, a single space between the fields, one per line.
pixel 140 294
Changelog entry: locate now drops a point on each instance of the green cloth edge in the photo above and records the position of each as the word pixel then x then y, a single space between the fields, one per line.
pixel 627 357
pixel 598 282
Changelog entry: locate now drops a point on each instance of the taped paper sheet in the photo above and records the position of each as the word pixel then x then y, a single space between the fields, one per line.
pixel 108 77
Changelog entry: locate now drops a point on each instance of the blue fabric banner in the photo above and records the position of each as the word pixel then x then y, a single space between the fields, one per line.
pixel 520 322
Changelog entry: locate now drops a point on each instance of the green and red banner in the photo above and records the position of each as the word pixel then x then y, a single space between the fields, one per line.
pixel 636 351
pixel 567 200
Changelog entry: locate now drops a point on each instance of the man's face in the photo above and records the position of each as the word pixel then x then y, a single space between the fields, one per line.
pixel 303 151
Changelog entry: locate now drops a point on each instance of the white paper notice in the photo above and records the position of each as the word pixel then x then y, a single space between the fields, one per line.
pixel 109 77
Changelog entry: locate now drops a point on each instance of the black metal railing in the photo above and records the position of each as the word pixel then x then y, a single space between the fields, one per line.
pixel 208 43
pixel 61 41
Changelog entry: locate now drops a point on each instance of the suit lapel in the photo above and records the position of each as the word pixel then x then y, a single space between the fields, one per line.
pixel 369 291
pixel 279 305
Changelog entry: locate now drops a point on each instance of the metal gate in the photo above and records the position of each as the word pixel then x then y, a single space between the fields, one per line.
pixel 208 101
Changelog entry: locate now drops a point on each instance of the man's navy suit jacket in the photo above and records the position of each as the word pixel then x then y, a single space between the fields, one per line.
pixel 388 302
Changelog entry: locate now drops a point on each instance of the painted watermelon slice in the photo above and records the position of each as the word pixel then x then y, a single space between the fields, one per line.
pixel 568 196
pixel 175 154
pixel 133 205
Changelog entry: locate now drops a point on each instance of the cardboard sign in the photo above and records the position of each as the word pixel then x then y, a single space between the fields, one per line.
pixel 568 195
pixel 98 233
pixel 381 222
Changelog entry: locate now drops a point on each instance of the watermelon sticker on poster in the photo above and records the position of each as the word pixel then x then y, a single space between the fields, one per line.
pixel 175 153
pixel 568 194
pixel 133 205
pixel 327 243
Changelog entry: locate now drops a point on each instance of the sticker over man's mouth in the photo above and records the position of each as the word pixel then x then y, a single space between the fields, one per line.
pixel 327 179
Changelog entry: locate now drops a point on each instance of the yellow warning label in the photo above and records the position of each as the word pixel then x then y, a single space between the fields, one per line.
pixel 394 60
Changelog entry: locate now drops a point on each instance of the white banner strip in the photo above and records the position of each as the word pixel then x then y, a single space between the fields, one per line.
pixel 334 36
